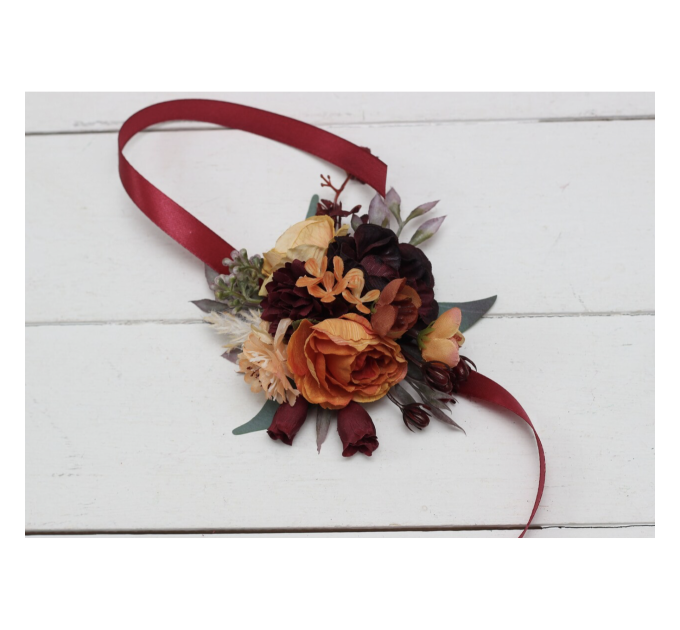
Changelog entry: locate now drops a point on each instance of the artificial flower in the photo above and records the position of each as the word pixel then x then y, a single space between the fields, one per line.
pixel 441 339
pixel 372 248
pixel 326 285
pixel 356 430
pixel 396 311
pixel 339 360
pixel 417 269
pixel 288 420
pixel 286 299
pixel 264 363
pixel 308 239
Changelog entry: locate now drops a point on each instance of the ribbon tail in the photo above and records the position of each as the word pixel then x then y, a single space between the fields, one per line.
pixel 483 388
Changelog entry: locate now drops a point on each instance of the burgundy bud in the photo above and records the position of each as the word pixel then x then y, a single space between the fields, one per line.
pixel 288 420
pixel 462 370
pixel 415 415
pixel 356 430
pixel 438 376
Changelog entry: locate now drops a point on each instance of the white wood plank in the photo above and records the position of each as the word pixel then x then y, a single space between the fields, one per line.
pixel 554 218
pixel 129 427
pixel 59 112
pixel 629 531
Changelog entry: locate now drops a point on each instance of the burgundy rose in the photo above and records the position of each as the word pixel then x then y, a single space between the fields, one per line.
pixel 372 248
pixel 417 269
pixel 356 430
pixel 288 420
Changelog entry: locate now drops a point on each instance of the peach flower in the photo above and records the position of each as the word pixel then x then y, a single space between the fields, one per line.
pixel 442 338
pixel 340 360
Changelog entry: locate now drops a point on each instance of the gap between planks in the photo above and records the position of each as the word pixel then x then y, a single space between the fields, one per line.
pixel 386 123
pixel 176 322
pixel 327 530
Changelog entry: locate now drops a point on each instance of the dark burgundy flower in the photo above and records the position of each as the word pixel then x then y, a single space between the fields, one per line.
pixel 414 415
pixel 372 248
pixel 417 269
pixel 356 430
pixel 288 420
pixel 284 299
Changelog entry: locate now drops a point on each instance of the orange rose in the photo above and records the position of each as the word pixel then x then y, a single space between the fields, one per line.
pixel 340 360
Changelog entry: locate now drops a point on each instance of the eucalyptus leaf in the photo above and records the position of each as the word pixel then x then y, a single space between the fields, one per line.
pixel 440 415
pixel 312 207
pixel 261 421
pixel 210 306
pixel 401 395
pixel 472 311
pixel 323 423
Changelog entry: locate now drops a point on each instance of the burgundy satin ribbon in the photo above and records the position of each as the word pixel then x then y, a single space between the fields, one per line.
pixel 483 388
pixel 207 246
pixel 186 229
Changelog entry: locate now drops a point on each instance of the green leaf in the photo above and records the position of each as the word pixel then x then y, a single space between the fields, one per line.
pixel 261 421
pixel 312 207
pixel 472 311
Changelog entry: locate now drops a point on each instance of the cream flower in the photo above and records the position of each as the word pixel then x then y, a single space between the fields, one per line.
pixel 304 240
pixel 264 363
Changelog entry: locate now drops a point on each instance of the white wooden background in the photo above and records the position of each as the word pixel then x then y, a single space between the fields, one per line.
pixel 129 407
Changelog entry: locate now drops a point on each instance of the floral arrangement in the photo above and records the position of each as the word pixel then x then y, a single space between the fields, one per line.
pixel 337 316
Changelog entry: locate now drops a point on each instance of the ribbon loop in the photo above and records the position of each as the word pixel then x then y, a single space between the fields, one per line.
pixel 181 225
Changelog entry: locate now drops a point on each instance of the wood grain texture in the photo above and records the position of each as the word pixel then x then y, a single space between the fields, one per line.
pixel 554 218
pixel 628 531
pixel 77 112
pixel 129 427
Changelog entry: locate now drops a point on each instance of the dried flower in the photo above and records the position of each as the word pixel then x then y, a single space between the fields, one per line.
pixel 264 362
pixel 235 327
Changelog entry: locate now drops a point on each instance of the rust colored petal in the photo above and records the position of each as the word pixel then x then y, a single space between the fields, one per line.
pixel 297 362
pixel 384 317
pixel 390 292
